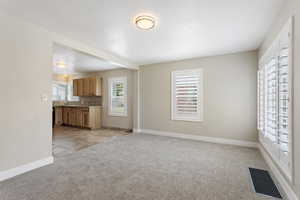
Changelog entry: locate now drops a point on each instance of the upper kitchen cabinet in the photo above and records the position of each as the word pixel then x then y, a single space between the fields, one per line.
pixel 78 88
pixel 87 86
pixel 75 87
pixel 96 86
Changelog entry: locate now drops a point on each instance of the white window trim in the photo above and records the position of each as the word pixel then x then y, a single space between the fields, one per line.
pixel 66 92
pixel 271 149
pixel 200 118
pixel 110 81
pixel 70 96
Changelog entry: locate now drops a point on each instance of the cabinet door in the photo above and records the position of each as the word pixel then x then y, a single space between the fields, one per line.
pixel 75 87
pixel 98 86
pixel 95 117
pixel 92 88
pixel 65 116
pixel 86 87
pixel 79 118
pixel 72 117
pixel 86 120
pixel 58 115
pixel 80 87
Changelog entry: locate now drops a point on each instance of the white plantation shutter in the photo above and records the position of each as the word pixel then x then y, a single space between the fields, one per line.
pixel 275 102
pixel 284 96
pixel 271 128
pixel 187 95
pixel 261 101
pixel 118 96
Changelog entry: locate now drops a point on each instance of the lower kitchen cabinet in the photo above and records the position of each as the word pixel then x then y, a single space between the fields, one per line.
pixel 58 115
pixel 79 118
pixel 86 117
pixel 65 115
pixel 72 117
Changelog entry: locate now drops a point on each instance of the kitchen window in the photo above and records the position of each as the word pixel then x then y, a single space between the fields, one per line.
pixel 63 91
pixel 187 95
pixel 71 97
pixel 59 91
pixel 117 96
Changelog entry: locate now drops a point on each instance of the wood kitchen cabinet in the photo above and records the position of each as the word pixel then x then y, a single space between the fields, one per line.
pixel 79 118
pixel 79 87
pixel 75 87
pixel 65 114
pixel 86 117
pixel 58 115
pixel 72 117
pixel 92 87
pixel 87 86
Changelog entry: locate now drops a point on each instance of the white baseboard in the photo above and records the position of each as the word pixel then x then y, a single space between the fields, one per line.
pixel 136 130
pixel 25 168
pixel 291 195
pixel 199 138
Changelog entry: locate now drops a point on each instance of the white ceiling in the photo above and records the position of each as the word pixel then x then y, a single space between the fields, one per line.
pixel 78 62
pixel 186 28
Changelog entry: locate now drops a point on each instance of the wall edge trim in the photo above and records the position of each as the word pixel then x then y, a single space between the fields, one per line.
pixel 7 174
pixel 199 138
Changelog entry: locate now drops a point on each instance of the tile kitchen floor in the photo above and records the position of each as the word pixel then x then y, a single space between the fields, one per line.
pixel 67 140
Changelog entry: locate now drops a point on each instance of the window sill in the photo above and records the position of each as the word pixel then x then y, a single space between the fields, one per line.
pixel 117 115
pixel 187 120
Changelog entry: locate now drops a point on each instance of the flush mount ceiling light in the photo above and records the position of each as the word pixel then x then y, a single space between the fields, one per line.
pixel 61 64
pixel 66 76
pixel 145 22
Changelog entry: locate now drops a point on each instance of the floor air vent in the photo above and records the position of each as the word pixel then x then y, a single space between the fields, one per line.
pixel 263 183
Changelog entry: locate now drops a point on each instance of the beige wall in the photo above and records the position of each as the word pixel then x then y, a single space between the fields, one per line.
pixel 292 9
pixel 25 74
pixel 112 121
pixel 229 97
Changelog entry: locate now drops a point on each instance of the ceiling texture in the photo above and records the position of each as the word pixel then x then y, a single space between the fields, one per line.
pixel 185 28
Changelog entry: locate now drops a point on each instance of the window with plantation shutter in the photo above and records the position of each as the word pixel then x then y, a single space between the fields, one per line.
pixel 187 95
pixel 117 96
pixel 275 100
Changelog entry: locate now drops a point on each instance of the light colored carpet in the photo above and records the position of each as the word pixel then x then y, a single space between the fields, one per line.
pixel 143 167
